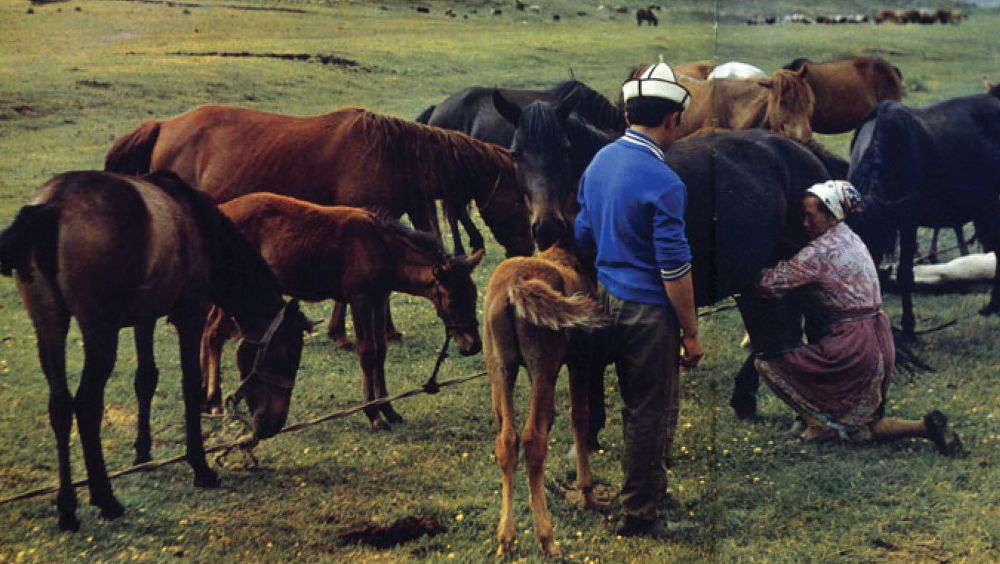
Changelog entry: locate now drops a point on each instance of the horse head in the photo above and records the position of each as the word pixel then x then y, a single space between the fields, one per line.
pixel 541 154
pixel 268 367
pixel 454 296
pixel 506 214
pixel 790 105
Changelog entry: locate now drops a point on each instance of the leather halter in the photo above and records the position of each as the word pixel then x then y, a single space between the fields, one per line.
pixel 257 372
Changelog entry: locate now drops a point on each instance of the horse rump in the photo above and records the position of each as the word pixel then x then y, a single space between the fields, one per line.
pixel 31 229
pixel 132 153
pixel 541 305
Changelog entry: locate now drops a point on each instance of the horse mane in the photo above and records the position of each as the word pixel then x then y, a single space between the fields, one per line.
pixel 994 91
pixel 433 158
pixel 237 271
pixel 424 241
pixel 790 88
pixel 592 105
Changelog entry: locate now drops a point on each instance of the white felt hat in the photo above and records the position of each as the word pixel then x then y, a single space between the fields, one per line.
pixel 832 193
pixel 658 81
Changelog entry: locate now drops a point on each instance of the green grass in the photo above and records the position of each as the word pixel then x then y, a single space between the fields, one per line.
pixel 71 81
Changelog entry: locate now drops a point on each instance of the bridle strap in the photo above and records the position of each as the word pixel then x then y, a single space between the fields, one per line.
pixel 489 199
pixel 256 372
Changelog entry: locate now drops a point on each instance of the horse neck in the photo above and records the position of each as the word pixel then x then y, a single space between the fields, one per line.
pixel 413 269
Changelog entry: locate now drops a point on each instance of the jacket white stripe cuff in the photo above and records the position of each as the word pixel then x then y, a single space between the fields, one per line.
pixel 674 274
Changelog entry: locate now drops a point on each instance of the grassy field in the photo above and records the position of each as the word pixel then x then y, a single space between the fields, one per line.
pixel 75 74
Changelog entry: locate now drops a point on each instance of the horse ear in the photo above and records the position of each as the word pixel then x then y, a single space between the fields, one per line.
pixel 567 104
pixel 507 109
pixel 476 258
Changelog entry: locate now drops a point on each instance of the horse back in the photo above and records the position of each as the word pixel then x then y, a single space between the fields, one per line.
pixel 316 252
pixel 231 151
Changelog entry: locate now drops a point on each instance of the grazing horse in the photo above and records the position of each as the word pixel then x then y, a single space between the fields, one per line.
pixel 116 251
pixel 646 15
pixel 937 166
pixel 847 89
pixel 695 69
pixel 736 69
pixel 356 256
pixel 782 103
pixel 538 313
pixel 348 157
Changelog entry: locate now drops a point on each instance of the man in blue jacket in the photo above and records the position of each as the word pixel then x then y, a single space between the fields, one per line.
pixel 632 219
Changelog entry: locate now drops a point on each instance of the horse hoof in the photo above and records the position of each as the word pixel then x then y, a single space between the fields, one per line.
pixel 111 510
pixel 141 458
pixel 380 425
pixel 989 310
pixel 393 417
pixel 550 548
pixel 506 549
pixel 69 523
pixel 745 405
pixel 342 344
pixel 208 480
pixel 395 337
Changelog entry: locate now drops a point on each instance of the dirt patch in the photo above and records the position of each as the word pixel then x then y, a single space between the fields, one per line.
pixel 94 84
pixel 387 536
pixel 173 4
pixel 322 59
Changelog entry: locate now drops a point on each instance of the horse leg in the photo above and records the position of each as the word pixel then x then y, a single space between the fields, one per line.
pixel 219 327
pixel 381 315
pixel 544 370
pixel 337 330
pixel 907 249
pixel 503 374
pixel 932 253
pixel 456 236
pixel 146 379
pixel 988 230
pixel 391 334
pixel 100 345
pixel 52 355
pixel 189 319
pixel 475 237
pixel 580 376
pixel 963 245
pixel 368 337
pixel 744 398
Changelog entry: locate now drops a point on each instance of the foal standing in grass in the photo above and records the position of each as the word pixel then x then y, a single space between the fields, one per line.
pixel 538 312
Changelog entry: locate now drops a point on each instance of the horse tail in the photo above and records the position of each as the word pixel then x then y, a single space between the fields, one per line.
pixel 425 116
pixel 540 305
pixel 132 153
pixel 790 105
pixel 32 228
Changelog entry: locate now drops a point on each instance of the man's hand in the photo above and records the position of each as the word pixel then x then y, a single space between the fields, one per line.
pixel 690 351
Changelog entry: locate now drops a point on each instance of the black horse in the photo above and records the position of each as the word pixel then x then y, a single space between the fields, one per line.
pixel 937 166
pixel 472 111
pixel 744 212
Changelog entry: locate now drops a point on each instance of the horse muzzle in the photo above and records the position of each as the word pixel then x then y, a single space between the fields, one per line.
pixel 548 231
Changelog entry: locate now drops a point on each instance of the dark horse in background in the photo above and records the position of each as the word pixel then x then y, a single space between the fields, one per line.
pixel 356 256
pixel 349 157
pixel 115 251
pixel 744 211
pixel 937 166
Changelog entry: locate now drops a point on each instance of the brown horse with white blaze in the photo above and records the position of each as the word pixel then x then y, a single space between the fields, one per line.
pixel 353 255
pixel 115 251
pixel 538 313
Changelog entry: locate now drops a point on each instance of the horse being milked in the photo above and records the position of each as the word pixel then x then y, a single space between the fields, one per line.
pixel 115 251
pixel 349 157
pixel 356 256
pixel 937 166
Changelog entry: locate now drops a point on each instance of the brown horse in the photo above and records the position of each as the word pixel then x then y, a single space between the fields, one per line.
pixel 696 69
pixel 847 89
pixel 349 157
pixel 537 314
pixel 782 102
pixel 353 255
pixel 115 251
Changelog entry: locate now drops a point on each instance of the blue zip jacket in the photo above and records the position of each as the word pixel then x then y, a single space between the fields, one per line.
pixel 632 210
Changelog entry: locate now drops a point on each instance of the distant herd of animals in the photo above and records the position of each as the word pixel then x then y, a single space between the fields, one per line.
pixel 222 218
pixel 884 15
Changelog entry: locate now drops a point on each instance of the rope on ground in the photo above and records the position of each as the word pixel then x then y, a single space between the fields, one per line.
pixel 242 441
